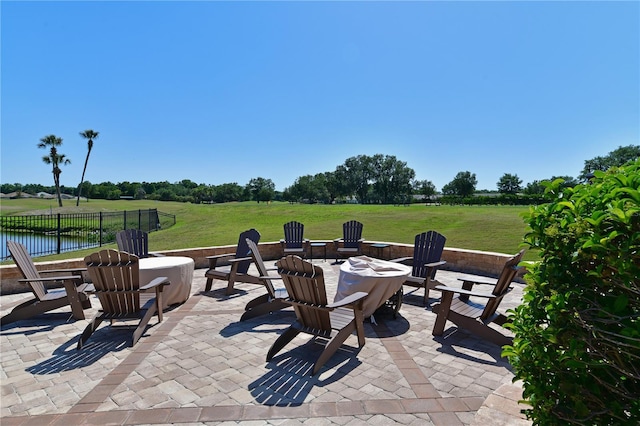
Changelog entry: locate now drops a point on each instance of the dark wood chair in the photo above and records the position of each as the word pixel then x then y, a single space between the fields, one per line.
pixel 294 241
pixel 238 264
pixel 426 259
pixel 134 241
pixel 116 277
pixel 471 315
pixel 333 321
pixel 274 299
pixel 351 242
pixel 74 293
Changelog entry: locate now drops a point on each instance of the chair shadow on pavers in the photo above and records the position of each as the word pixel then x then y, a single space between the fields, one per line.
pixel 37 324
pixel 67 357
pixel 289 382
pixel 278 321
pixel 465 345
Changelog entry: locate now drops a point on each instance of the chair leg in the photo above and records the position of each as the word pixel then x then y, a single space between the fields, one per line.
pixel 74 299
pixel 442 309
pixel 282 341
pixel 207 287
pixel 144 321
pixel 88 331
pixel 257 301
pixel 31 308
pixel 333 345
pixel 263 309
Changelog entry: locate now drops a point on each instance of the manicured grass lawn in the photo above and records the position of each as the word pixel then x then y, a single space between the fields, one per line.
pixel 488 228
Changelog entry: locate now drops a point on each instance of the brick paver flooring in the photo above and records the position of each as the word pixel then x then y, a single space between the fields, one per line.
pixel 202 366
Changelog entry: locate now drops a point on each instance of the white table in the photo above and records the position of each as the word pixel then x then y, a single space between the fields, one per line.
pixel 178 269
pixel 380 278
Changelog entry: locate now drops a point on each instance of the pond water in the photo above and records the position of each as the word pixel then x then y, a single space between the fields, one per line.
pixel 41 245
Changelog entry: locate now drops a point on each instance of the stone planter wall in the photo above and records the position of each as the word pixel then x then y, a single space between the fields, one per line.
pixel 459 260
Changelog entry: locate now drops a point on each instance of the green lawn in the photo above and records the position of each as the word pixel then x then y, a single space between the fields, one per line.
pixel 489 228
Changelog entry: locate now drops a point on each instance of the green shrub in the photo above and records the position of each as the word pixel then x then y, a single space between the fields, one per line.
pixel 577 333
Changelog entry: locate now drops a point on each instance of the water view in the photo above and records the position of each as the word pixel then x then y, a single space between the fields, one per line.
pixel 40 245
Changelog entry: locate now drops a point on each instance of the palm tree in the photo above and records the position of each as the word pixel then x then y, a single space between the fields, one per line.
pixel 54 159
pixel 91 135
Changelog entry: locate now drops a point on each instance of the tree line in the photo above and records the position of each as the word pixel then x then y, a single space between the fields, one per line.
pixel 377 179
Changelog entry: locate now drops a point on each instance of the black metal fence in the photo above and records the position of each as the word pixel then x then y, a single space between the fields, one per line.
pixel 57 233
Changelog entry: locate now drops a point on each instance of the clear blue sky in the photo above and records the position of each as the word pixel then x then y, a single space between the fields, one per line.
pixel 220 92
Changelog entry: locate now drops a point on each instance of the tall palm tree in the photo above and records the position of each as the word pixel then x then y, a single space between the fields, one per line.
pixel 91 135
pixel 55 159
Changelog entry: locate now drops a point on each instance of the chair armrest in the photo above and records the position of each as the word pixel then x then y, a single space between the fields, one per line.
pixel 51 279
pixel 401 259
pixel 349 299
pixel 240 259
pixel 486 280
pixel 63 271
pixel 435 264
pixel 465 292
pixel 213 260
pixel 270 277
pixel 162 281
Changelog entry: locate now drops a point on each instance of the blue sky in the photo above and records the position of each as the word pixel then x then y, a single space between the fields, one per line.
pixel 220 92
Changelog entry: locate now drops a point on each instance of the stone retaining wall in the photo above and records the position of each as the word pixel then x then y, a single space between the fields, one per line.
pixel 459 260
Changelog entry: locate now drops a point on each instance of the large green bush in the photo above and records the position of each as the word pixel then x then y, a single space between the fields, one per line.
pixel 577 333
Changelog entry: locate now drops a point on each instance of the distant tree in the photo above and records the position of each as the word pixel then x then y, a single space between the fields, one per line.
pixel 90 135
pixel 425 188
pixel 534 188
pixel 261 189
pixel 55 159
pixel 140 194
pixel 509 184
pixel 312 189
pixel 338 183
pixel 391 179
pixel 228 192
pixel 358 173
pixel 463 185
pixel 617 157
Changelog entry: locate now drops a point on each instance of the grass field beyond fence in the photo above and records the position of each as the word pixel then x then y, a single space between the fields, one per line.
pixel 488 228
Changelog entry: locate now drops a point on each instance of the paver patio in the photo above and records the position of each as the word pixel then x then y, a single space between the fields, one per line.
pixel 202 366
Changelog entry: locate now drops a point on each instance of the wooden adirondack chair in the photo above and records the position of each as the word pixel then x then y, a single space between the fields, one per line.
pixel 294 241
pixel 116 277
pixel 238 266
pixel 469 315
pixel 426 259
pixel 351 242
pixel 73 294
pixel 134 241
pixel 336 321
pixel 273 299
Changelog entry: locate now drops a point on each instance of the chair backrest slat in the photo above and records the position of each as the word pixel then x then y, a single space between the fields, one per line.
pixel 352 233
pixel 133 241
pixel 116 277
pixel 305 284
pixel 501 288
pixel 293 234
pixel 262 270
pixel 27 268
pixel 427 248
pixel 243 250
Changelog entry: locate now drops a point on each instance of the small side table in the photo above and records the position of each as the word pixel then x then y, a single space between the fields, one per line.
pixel 324 247
pixel 379 249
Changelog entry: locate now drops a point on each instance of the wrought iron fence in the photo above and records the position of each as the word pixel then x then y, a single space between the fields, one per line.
pixel 57 233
